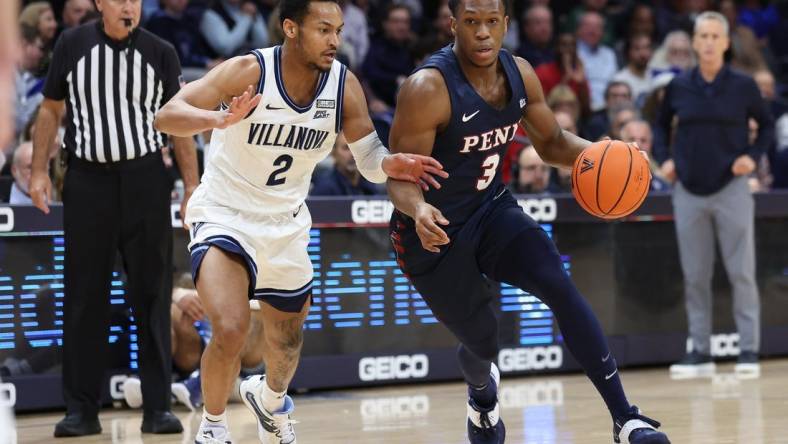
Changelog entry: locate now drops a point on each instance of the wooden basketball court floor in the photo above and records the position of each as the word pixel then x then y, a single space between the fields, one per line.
pixel 560 409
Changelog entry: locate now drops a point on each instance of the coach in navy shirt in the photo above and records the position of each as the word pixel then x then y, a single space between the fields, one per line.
pixel 711 159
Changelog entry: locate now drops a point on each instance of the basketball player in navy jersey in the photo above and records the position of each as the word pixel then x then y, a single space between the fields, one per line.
pixel 249 224
pixel 463 107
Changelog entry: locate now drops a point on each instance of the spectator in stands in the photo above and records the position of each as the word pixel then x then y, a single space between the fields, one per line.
pixel 653 100
pixel 344 179
pixel 567 69
pixel 675 15
pixel 28 81
pixel 617 93
pixel 746 50
pixel 575 17
pixel 562 98
pixel 566 121
pixel 766 84
pixel 438 36
pixel 233 27
pixel 599 60
pixel 760 16
pixel 711 158
pixel 641 20
pixel 531 175
pixel 74 11
pixel 389 60
pixel 639 132
pixel 355 34
pixel 638 52
pixel 536 45
pixel 620 115
pixel 177 23
pixel 674 55
pixel 778 152
pixel 21 168
pixel 39 16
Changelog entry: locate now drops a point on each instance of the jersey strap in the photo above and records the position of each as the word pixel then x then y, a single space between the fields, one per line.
pixel 340 98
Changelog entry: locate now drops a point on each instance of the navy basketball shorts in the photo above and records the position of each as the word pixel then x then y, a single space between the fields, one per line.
pixel 454 282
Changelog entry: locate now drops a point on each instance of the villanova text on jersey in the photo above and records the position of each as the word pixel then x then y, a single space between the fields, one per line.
pixel 287 136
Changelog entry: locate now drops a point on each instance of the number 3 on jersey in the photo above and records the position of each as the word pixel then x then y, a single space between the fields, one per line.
pixel 284 162
pixel 489 168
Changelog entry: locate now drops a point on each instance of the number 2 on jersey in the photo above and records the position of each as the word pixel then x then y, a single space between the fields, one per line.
pixel 284 162
pixel 489 168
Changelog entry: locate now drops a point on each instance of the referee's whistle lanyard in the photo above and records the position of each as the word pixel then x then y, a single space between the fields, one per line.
pixel 126 43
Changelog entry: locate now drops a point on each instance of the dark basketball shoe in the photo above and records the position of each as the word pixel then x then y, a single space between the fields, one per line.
pixel 694 365
pixel 76 424
pixel 485 426
pixel 637 429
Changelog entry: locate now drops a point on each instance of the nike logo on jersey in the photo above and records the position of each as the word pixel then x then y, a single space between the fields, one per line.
pixel 320 114
pixel 272 108
pixel 611 375
pixel 298 210
pixel 467 118
pixel 288 136
pixel 489 139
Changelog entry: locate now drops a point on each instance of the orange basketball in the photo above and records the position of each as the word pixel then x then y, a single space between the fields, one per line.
pixel 610 179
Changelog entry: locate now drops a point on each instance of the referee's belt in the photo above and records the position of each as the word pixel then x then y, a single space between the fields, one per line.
pixel 146 161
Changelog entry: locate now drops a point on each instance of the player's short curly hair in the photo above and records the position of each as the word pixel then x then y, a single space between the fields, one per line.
pixel 296 10
pixel 455 4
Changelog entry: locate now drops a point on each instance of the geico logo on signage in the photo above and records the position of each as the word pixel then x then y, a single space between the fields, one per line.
pixel 532 393
pixel 6 219
pixel 7 394
pixel 116 386
pixel 725 344
pixel 371 211
pixel 530 358
pixel 540 210
pixel 382 368
pixel 395 407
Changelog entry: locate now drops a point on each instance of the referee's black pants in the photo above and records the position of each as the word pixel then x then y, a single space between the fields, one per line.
pixel 107 208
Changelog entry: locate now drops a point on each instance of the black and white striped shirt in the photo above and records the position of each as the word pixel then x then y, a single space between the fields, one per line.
pixel 112 91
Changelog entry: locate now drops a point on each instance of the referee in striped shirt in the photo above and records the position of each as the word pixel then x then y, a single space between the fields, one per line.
pixel 111 78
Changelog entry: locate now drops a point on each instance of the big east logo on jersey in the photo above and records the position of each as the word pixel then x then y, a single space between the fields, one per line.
pixel 490 139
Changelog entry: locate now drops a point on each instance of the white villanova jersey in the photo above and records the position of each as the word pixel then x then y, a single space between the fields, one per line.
pixel 264 163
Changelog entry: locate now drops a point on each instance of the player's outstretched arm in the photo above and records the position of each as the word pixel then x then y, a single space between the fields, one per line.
pixel 374 161
pixel 555 146
pixel 423 107
pixel 194 108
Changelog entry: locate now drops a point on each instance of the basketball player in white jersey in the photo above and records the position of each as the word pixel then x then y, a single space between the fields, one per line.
pixel 267 139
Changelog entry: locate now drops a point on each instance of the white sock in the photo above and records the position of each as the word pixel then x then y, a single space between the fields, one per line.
pixel 219 420
pixel 272 401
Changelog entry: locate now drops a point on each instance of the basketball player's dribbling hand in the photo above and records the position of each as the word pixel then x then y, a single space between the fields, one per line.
pixel 239 108
pixel 430 233
pixel 415 168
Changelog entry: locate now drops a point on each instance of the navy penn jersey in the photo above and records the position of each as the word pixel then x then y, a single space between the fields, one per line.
pixel 472 146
